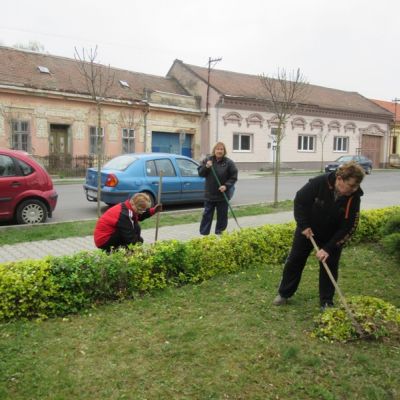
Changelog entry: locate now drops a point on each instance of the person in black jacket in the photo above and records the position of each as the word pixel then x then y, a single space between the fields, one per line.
pixel 119 225
pixel 327 207
pixel 227 173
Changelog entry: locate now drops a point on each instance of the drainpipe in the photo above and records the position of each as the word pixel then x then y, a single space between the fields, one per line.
pixel 218 106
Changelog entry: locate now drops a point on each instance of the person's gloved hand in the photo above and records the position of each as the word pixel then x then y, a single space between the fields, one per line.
pixel 157 208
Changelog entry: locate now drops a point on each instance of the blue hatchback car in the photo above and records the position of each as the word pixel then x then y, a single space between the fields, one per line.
pixel 127 174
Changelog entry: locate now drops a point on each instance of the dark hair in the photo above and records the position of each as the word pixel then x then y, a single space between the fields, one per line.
pixel 351 170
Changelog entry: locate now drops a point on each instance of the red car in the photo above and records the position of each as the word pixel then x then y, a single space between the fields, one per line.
pixel 26 189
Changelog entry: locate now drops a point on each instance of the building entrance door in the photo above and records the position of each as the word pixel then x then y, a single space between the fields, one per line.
pixel 60 148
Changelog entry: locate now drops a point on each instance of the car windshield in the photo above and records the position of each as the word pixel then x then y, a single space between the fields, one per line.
pixel 121 163
pixel 345 159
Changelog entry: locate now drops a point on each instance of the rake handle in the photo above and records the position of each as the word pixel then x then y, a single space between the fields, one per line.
pixel 225 197
pixel 159 202
pixel 356 325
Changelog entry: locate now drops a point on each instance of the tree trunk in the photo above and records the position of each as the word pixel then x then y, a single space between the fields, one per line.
pixel 99 157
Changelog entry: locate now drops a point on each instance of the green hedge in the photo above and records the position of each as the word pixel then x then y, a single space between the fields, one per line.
pixel 56 286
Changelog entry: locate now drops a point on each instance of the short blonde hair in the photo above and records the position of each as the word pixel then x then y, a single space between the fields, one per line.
pixel 219 144
pixel 140 201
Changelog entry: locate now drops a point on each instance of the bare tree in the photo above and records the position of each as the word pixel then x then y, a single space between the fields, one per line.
pixel 322 137
pixel 284 93
pixel 32 45
pixel 99 80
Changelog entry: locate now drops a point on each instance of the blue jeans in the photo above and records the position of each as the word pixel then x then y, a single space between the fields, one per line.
pixel 208 214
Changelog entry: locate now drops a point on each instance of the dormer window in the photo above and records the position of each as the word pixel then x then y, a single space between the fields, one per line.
pixel 124 83
pixel 43 70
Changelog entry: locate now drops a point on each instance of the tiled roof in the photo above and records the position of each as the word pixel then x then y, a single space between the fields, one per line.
pixel 20 68
pixel 248 86
pixel 390 106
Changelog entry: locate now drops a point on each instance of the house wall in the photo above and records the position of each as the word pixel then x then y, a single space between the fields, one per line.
pixel 258 124
pixel 42 112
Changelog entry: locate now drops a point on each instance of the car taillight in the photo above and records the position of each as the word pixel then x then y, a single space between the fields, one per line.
pixel 111 180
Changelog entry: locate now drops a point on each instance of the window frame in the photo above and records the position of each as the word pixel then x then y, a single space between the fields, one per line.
pixel 20 135
pixel 93 139
pixel 240 144
pixel 341 139
pixel 128 142
pixel 308 149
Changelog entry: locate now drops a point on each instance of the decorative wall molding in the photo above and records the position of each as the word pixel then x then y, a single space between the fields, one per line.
pixel 372 129
pixel 317 124
pixel 112 132
pixel 255 119
pixel 299 122
pixel 233 118
pixel 334 126
pixel 350 127
pixel 273 122
pixel 78 130
pixel 41 128
pixel 2 126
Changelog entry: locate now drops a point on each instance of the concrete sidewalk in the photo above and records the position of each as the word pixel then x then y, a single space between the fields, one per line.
pixel 61 247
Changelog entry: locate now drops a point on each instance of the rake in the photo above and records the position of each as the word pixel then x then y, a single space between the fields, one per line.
pixel 361 333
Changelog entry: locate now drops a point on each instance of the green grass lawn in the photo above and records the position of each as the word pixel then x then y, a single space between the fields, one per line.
pixel 221 339
pixel 29 233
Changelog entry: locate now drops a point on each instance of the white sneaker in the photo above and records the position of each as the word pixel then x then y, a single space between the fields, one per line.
pixel 279 300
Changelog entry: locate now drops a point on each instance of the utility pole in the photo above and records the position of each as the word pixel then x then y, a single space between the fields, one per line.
pixel 395 101
pixel 210 61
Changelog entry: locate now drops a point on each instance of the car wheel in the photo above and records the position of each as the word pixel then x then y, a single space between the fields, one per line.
pixel 368 170
pixel 31 212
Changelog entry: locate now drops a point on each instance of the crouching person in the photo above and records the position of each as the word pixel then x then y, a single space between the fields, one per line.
pixel 119 225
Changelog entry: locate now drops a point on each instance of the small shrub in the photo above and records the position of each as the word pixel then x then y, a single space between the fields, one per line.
pixel 62 285
pixel 376 317
pixel 391 234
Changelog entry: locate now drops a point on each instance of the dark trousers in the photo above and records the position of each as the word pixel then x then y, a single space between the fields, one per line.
pixel 301 249
pixel 208 214
pixel 115 241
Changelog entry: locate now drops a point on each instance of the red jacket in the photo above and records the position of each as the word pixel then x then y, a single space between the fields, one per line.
pixel 120 217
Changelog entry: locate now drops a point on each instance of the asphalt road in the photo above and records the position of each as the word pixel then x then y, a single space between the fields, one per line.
pixel 381 189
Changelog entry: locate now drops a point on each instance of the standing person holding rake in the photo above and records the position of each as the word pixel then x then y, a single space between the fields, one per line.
pixel 327 207
pixel 221 167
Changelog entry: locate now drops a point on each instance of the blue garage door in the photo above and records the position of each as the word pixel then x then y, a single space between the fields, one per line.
pixel 166 142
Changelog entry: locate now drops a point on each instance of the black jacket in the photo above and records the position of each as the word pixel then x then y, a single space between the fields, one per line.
pixel 332 221
pixel 226 172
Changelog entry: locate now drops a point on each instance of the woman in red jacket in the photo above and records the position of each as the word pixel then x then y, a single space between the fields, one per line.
pixel 119 225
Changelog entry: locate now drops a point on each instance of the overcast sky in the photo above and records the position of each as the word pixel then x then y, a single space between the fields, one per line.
pixel 351 45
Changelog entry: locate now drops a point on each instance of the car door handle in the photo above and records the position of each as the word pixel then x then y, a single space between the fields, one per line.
pixel 15 184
